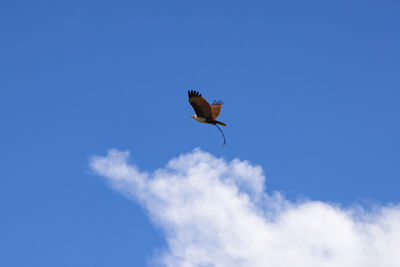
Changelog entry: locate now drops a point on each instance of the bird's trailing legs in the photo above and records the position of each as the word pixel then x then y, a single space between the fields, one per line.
pixel 222 133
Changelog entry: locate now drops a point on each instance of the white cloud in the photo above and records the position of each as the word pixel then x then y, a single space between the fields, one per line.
pixel 216 213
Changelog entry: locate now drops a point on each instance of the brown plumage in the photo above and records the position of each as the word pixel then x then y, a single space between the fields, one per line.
pixel 216 108
pixel 205 113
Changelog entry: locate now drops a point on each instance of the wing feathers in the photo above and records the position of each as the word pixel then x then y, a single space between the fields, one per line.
pixel 216 108
pixel 217 102
pixel 200 105
pixel 193 93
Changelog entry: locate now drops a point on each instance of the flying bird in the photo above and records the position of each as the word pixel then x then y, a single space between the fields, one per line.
pixel 206 113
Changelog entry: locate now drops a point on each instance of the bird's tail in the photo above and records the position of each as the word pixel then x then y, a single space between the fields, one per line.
pixel 220 123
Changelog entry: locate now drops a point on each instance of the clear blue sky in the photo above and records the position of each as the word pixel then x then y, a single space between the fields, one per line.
pixel 311 92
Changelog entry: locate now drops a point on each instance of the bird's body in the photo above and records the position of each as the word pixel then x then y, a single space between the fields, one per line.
pixel 205 113
pixel 199 119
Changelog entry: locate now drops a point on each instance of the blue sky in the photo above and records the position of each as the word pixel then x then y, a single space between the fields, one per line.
pixel 311 92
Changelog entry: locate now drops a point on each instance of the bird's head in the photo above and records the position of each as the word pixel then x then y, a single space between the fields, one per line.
pixel 194 116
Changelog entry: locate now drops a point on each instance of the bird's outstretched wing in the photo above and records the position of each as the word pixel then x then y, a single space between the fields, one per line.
pixel 200 105
pixel 216 108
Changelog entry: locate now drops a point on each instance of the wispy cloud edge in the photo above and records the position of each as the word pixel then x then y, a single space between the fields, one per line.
pixel 217 213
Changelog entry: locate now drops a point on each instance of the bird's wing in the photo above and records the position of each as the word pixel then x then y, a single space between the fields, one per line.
pixel 200 105
pixel 216 108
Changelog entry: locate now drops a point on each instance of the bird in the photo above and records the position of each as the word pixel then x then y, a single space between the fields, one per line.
pixel 206 113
